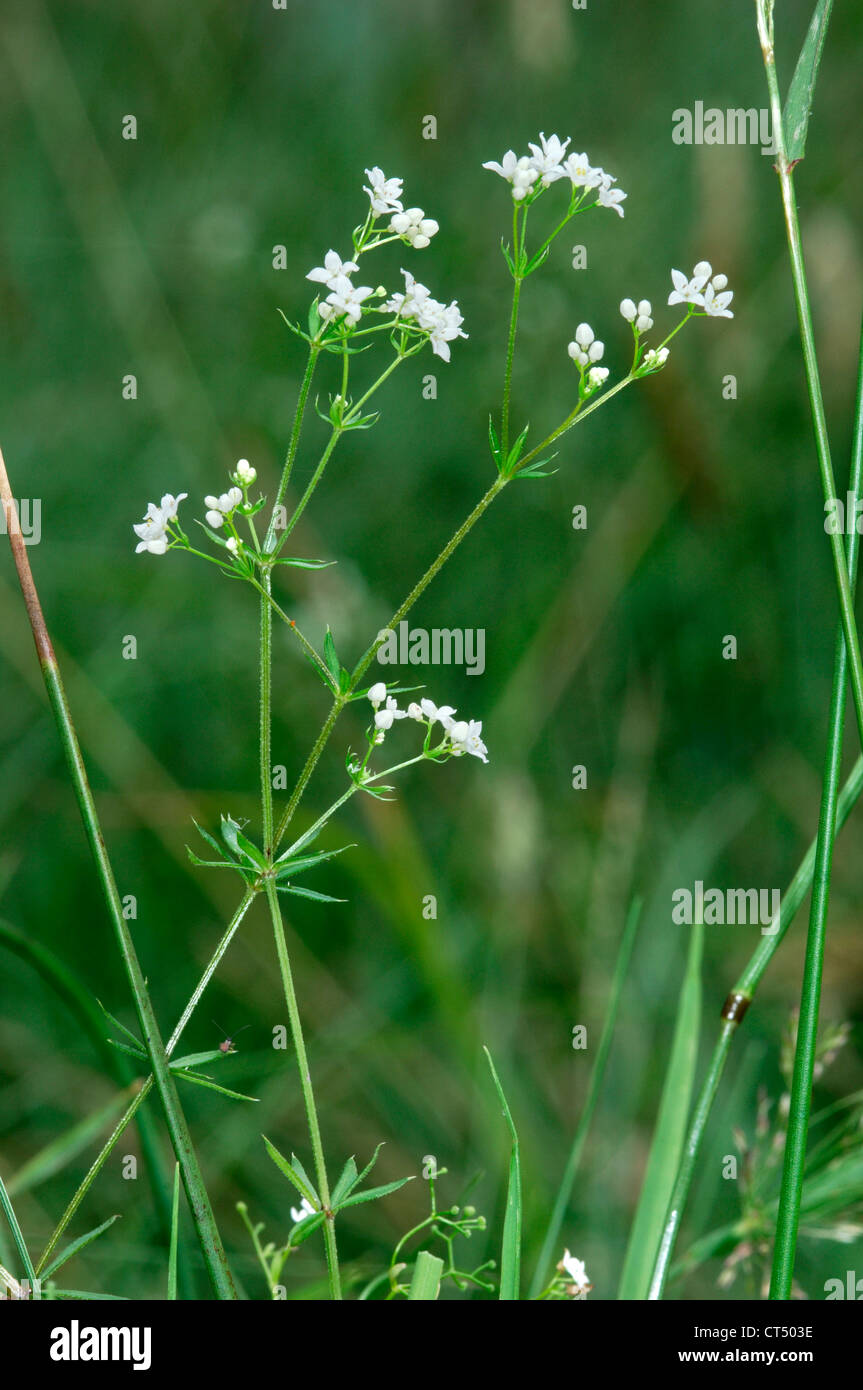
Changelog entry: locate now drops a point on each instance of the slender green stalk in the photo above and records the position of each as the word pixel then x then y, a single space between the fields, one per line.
pixel 306 1084
pixel 299 414
pixel 794 1162
pixel 20 1242
pixel 567 1182
pixel 733 1010
pixel 513 328
pixel 147 1085
pixel 784 169
pixel 193 1182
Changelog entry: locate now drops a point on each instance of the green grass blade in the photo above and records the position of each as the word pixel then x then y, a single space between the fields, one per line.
pixel 205 1222
pixel 668 1137
pixel 175 1233
pixel 798 103
pixel 76 1247
pixel 425 1284
pixel 56 1155
pixel 510 1260
pixel 567 1182
pixel 20 1243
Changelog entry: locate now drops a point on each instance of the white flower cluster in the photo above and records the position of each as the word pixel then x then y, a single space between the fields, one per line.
pixel 548 162
pixel 345 299
pixel 442 322
pixel 153 530
pixel 220 507
pixel 704 290
pixel 461 735
pixel 637 314
pixel 586 350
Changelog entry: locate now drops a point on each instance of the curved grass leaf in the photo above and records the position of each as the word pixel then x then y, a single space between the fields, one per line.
pixel 510 1260
pixel 667 1145
pixel 76 1246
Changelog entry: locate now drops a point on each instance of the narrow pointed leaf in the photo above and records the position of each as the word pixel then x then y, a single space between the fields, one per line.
pixel 425 1283
pixel 76 1247
pixel 348 1178
pixel 294 1172
pixel 510 1259
pixel 798 103
pixel 371 1194
pixel 175 1231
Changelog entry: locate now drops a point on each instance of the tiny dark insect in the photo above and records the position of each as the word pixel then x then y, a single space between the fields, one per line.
pixel 228 1045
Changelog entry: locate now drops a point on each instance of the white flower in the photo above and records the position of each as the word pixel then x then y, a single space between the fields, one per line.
pixel 414 227
pixel 415 712
pixel 377 694
pixel 219 507
pixel 586 347
pixel 656 357
pixel 244 473
pixel 581 173
pixel 597 375
pixel 445 324
pixel 153 530
pixel 442 322
pixel 629 310
pixel 576 1271
pixel 547 158
pixel 433 713
pixel 332 268
pixel 385 194
pixel 690 291
pixel 232 544
pixel 465 738
pixel 345 300
pixel 715 304
pixel 519 172
pixel 300 1213
pixel 609 197
pixel 384 717
pixel 644 322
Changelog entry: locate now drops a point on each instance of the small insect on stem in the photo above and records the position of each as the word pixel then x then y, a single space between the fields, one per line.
pixel 228 1045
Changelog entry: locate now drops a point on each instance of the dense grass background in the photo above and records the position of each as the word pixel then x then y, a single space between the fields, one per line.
pixel 604 648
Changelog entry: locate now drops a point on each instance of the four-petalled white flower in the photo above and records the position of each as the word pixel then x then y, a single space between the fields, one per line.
pixel 547 158
pixel 521 173
pixel 332 270
pixel 385 194
pixel 152 532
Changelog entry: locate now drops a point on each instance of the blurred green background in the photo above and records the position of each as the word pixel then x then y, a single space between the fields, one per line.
pixel 154 257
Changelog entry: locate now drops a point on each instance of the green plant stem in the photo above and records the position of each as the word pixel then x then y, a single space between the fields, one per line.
pixel 564 1193
pixel 293 444
pixel 794 1161
pixel 193 1182
pixel 813 381
pixel 146 1085
pixel 513 329
pixel 17 1236
pixel 738 1001
pixel 306 1085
